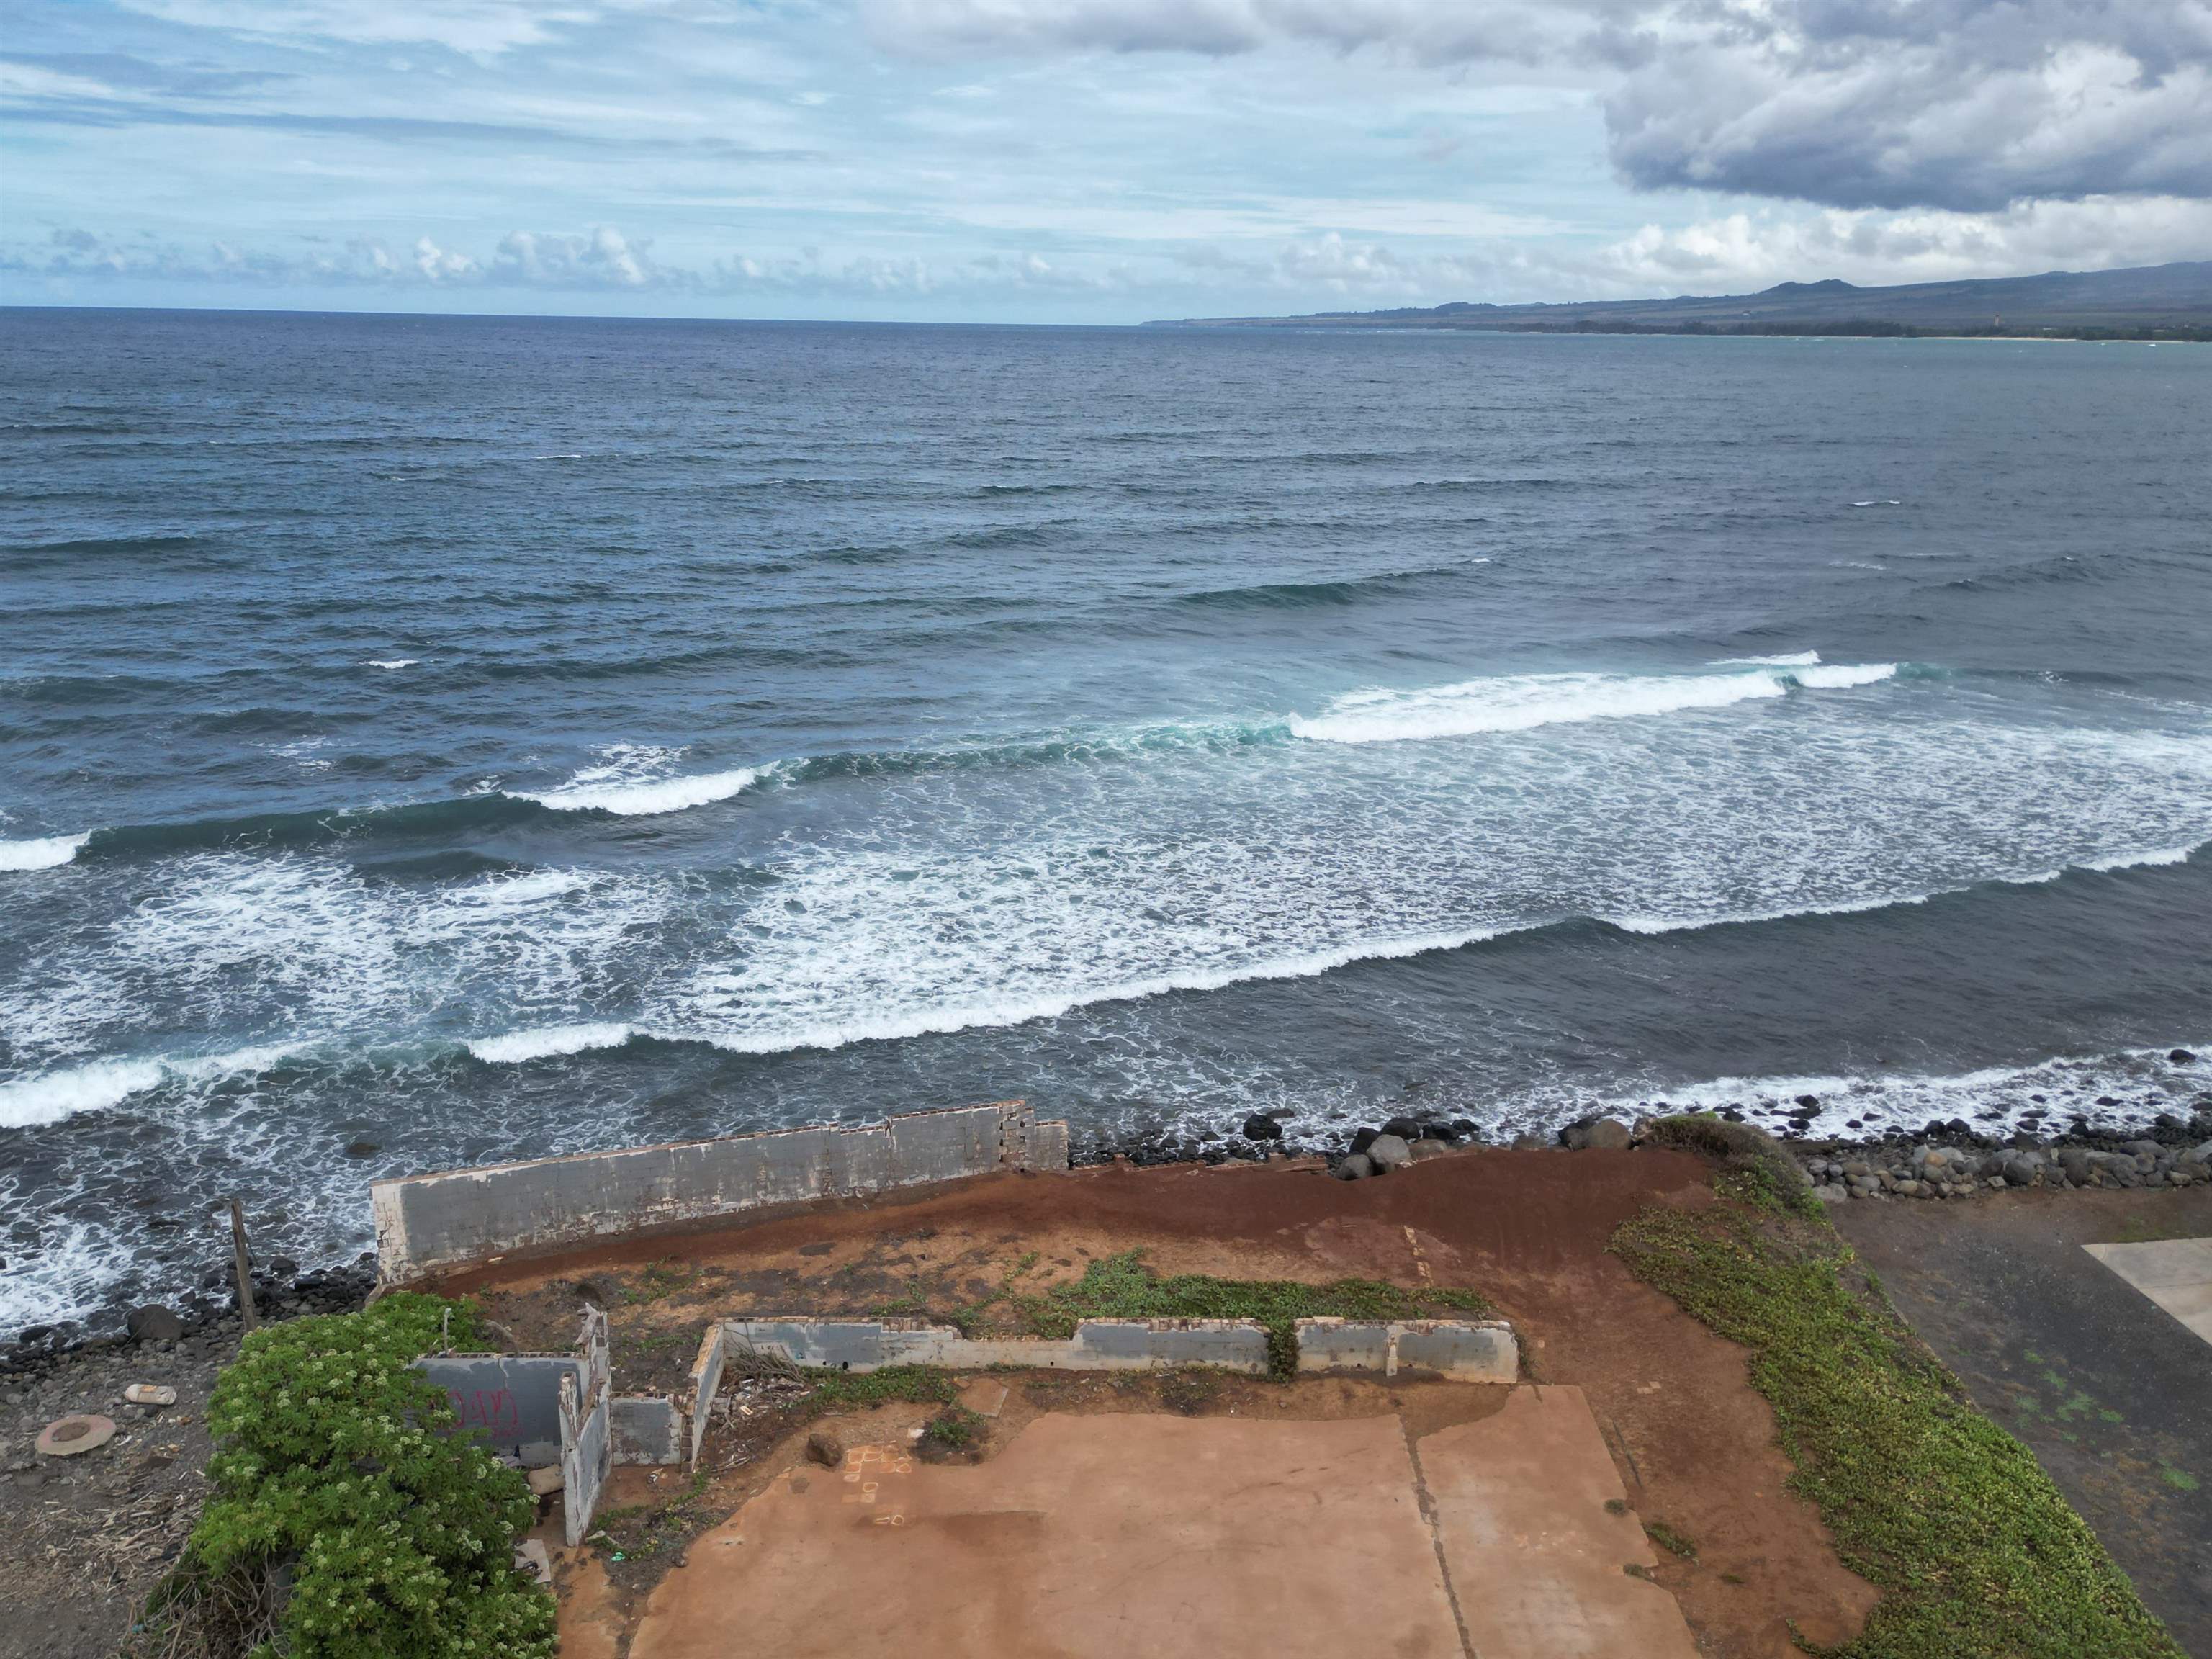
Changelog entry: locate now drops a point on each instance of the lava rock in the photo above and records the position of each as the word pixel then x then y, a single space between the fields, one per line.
pixel 362 1149
pixel 1388 1153
pixel 2181 1057
pixel 1404 1127
pixel 1363 1139
pixel 1356 1167
pixel 1260 1127
pixel 1602 1134
pixel 153 1323
pixel 825 1448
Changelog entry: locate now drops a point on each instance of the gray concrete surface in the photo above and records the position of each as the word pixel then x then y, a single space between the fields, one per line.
pixel 428 1222
pixel 647 1429
pixel 2174 1272
pixel 1465 1351
pixel 2111 1392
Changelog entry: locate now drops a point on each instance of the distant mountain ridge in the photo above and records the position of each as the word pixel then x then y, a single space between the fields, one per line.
pixel 2144 300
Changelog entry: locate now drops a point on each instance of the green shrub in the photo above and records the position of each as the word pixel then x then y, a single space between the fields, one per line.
pixel 338 1481
pixel 1769 1174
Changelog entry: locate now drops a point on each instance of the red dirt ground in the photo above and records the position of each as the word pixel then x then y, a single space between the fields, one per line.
pixel 1693 1443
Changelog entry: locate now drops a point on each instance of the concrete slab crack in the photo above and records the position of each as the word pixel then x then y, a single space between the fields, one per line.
pixel 1428 1505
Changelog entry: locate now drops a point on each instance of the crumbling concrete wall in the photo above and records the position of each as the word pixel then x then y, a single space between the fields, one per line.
pixel 587 1453
pixel 704 1383
pixel 426 1223
pixel 865 1345
pixel 1465 1351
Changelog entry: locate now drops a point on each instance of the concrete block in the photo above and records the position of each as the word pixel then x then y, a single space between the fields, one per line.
pixel 1465 1351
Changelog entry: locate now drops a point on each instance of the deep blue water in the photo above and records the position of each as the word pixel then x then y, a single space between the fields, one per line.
pixel 485 738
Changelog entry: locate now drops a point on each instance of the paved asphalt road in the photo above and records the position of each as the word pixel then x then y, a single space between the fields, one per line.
pixel 2114 1394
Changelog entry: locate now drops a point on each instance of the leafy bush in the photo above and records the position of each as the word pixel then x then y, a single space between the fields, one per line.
pixel 347 1512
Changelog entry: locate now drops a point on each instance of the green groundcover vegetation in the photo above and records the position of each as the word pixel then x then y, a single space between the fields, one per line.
pixel 1976 1552
pixel 346 1520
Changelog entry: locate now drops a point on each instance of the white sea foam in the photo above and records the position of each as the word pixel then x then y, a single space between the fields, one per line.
pixel 394 662
pixel 1051 1004
pixel 1990 1099
pixel 2136 860
pixel 1788 659
pixel 43 852
pixel 632 781
pixel 1891 502
pixel 27 1102
pixel 547 1042
pixel 1521 702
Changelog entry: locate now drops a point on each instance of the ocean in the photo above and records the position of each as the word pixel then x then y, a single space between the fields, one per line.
pixel 426 742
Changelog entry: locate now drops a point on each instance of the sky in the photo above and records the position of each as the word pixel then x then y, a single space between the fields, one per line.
pixel 1080 160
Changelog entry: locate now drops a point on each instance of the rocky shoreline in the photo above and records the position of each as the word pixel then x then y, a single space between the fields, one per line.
pixel 281 1290
pixel 2050 1147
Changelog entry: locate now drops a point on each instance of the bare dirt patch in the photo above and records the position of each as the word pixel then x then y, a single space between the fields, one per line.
pixel 1694 1444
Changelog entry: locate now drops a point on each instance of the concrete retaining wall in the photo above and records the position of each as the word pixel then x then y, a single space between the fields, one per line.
pixel 429 1222
pixel 1465 1351
pixel 859 1345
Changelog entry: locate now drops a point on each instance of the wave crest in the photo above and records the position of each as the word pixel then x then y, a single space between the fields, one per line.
pixel 1521 702
pixel 41 853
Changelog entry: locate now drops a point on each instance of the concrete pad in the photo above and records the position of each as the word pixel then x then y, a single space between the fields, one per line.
pixel 1085 1538
pixel 1536 1559
pixel 2174 1272
pixel 1098 1536
pixel 984 1396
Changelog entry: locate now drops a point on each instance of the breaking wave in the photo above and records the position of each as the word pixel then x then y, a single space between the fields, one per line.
pixel 41 853
pixel 29 1102
pixel 1520 702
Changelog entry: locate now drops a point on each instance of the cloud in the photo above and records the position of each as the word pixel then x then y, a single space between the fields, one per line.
pixel 480 28
pixel 1963 105
pixel 1741 252
pixel 601 260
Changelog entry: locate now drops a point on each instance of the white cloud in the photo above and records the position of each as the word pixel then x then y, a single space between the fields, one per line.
pixel 1744 252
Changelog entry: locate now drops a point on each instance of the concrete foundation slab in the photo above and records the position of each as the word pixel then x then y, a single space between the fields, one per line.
pixel 2174 1272
pixel 1536 1557
pixel 1088 1536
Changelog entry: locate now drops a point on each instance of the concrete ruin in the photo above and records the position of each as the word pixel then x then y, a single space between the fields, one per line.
pixel 427 1223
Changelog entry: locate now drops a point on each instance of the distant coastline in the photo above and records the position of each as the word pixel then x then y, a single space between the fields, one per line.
pixel 2154 303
